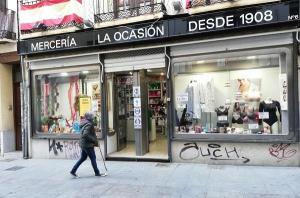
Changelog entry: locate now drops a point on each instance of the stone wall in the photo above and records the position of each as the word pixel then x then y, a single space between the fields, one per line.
pixel 59 149
pixel 273 154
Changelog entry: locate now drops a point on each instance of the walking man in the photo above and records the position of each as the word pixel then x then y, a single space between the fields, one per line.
pixel 88 140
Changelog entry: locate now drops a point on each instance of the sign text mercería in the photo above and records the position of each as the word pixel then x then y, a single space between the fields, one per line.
pixel 132 34
pixel 53 44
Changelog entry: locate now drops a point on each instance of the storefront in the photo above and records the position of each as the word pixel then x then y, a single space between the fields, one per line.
pixel 217 88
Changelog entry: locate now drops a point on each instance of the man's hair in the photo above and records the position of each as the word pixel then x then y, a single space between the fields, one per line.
pixel 89 116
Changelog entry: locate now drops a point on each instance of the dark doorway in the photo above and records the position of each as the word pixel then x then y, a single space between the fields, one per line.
pixel 17 106
pixel 136 106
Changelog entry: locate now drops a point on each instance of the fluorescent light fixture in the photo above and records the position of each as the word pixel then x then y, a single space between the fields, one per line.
pixel 221 62
pixel 85 72
pixel 130 73
pixel 251 57
pixel 149 70
pixel 64 74
pixel 162 73
pixel 200 62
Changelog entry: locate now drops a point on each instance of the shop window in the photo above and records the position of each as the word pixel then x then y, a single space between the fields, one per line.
pixel 62 98
pixel 232 95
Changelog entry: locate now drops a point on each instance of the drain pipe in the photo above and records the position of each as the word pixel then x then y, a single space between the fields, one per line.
pixel 24 112
pixel 24 95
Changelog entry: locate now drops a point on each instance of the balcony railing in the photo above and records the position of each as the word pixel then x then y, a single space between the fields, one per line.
pixel 40 27
pixel 111 12
pixel 197 3
pixel 7 22
pixel 30 2
pixel 104 10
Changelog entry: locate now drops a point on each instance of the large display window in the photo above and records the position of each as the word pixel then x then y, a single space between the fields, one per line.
pixel 239 93
pixel 62 96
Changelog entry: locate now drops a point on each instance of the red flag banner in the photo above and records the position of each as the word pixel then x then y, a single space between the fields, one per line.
pixel 49 13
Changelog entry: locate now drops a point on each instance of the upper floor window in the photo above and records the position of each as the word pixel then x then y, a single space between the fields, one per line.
pixel 2 5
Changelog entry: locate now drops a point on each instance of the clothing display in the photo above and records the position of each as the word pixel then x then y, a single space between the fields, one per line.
pixel 63 99
pixel 222 116
pixel 238 114
pixel 200 97
pixel 272 107
pixel 206 103
pixel 193 105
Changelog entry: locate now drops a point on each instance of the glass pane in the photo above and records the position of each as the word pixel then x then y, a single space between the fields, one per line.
pixel 63 98
pixel 238 95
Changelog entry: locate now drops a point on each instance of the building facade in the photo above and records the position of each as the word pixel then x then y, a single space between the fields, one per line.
pixel 213 82
pixel 10 79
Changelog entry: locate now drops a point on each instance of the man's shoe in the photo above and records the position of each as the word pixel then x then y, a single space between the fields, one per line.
pixel 74 175
pixel 100 175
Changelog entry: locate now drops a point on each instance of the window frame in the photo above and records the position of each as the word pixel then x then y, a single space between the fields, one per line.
pixel 291 137
pixel 36 134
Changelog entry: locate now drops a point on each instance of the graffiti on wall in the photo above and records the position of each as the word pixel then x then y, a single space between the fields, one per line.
pixel 67 149
pixel 282 151
pixel 192 151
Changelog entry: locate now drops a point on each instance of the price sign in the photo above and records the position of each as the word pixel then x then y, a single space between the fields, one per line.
pixel 253 126
pixel 137 102
pixel 137 112
pixel 137 122
pixel 182 97
pixel 263 115
pixel 136 92
pixel 222 118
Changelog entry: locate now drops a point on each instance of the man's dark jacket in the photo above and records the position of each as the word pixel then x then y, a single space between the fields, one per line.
pixel 88 138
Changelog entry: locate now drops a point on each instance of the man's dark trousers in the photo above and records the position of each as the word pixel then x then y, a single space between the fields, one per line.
pixel 84 154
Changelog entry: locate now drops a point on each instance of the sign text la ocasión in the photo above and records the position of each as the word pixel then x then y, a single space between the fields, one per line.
pixel 102 38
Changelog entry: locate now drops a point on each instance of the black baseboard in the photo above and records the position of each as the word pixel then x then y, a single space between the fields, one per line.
pixel 131 159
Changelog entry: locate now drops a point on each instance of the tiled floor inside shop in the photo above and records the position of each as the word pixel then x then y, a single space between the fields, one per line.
pixel 158 149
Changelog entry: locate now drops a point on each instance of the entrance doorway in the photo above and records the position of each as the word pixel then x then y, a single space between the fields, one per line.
pixel 17 79
pixel 17 115
pixel 137 114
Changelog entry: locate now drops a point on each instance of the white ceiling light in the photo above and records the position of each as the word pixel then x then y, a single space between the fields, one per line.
pixel 251 57
pixel 200 62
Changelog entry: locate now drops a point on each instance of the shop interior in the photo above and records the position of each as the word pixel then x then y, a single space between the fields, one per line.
pixel 238 95
pixel 63 97
pixel 122 140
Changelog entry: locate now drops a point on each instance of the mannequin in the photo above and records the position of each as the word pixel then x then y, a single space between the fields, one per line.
pixel 222 114
pixel 237 115
pixel 271 121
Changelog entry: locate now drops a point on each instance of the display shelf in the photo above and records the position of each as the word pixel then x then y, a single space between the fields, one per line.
pixel 154 89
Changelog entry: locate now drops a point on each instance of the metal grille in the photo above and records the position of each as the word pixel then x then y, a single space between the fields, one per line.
pixel 7 160
pixel 163 165
pixel 30 2
pixel 42 27
pixel 197 3
pixel 7 24
pixel 15 168
pixel 108 11
pixel 135 60
pixel 135 53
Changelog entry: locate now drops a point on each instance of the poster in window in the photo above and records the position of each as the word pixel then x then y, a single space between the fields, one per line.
pixel 136 91
pixel 96 91
pixel 247 89
pixel 283 88
pixel 84 105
